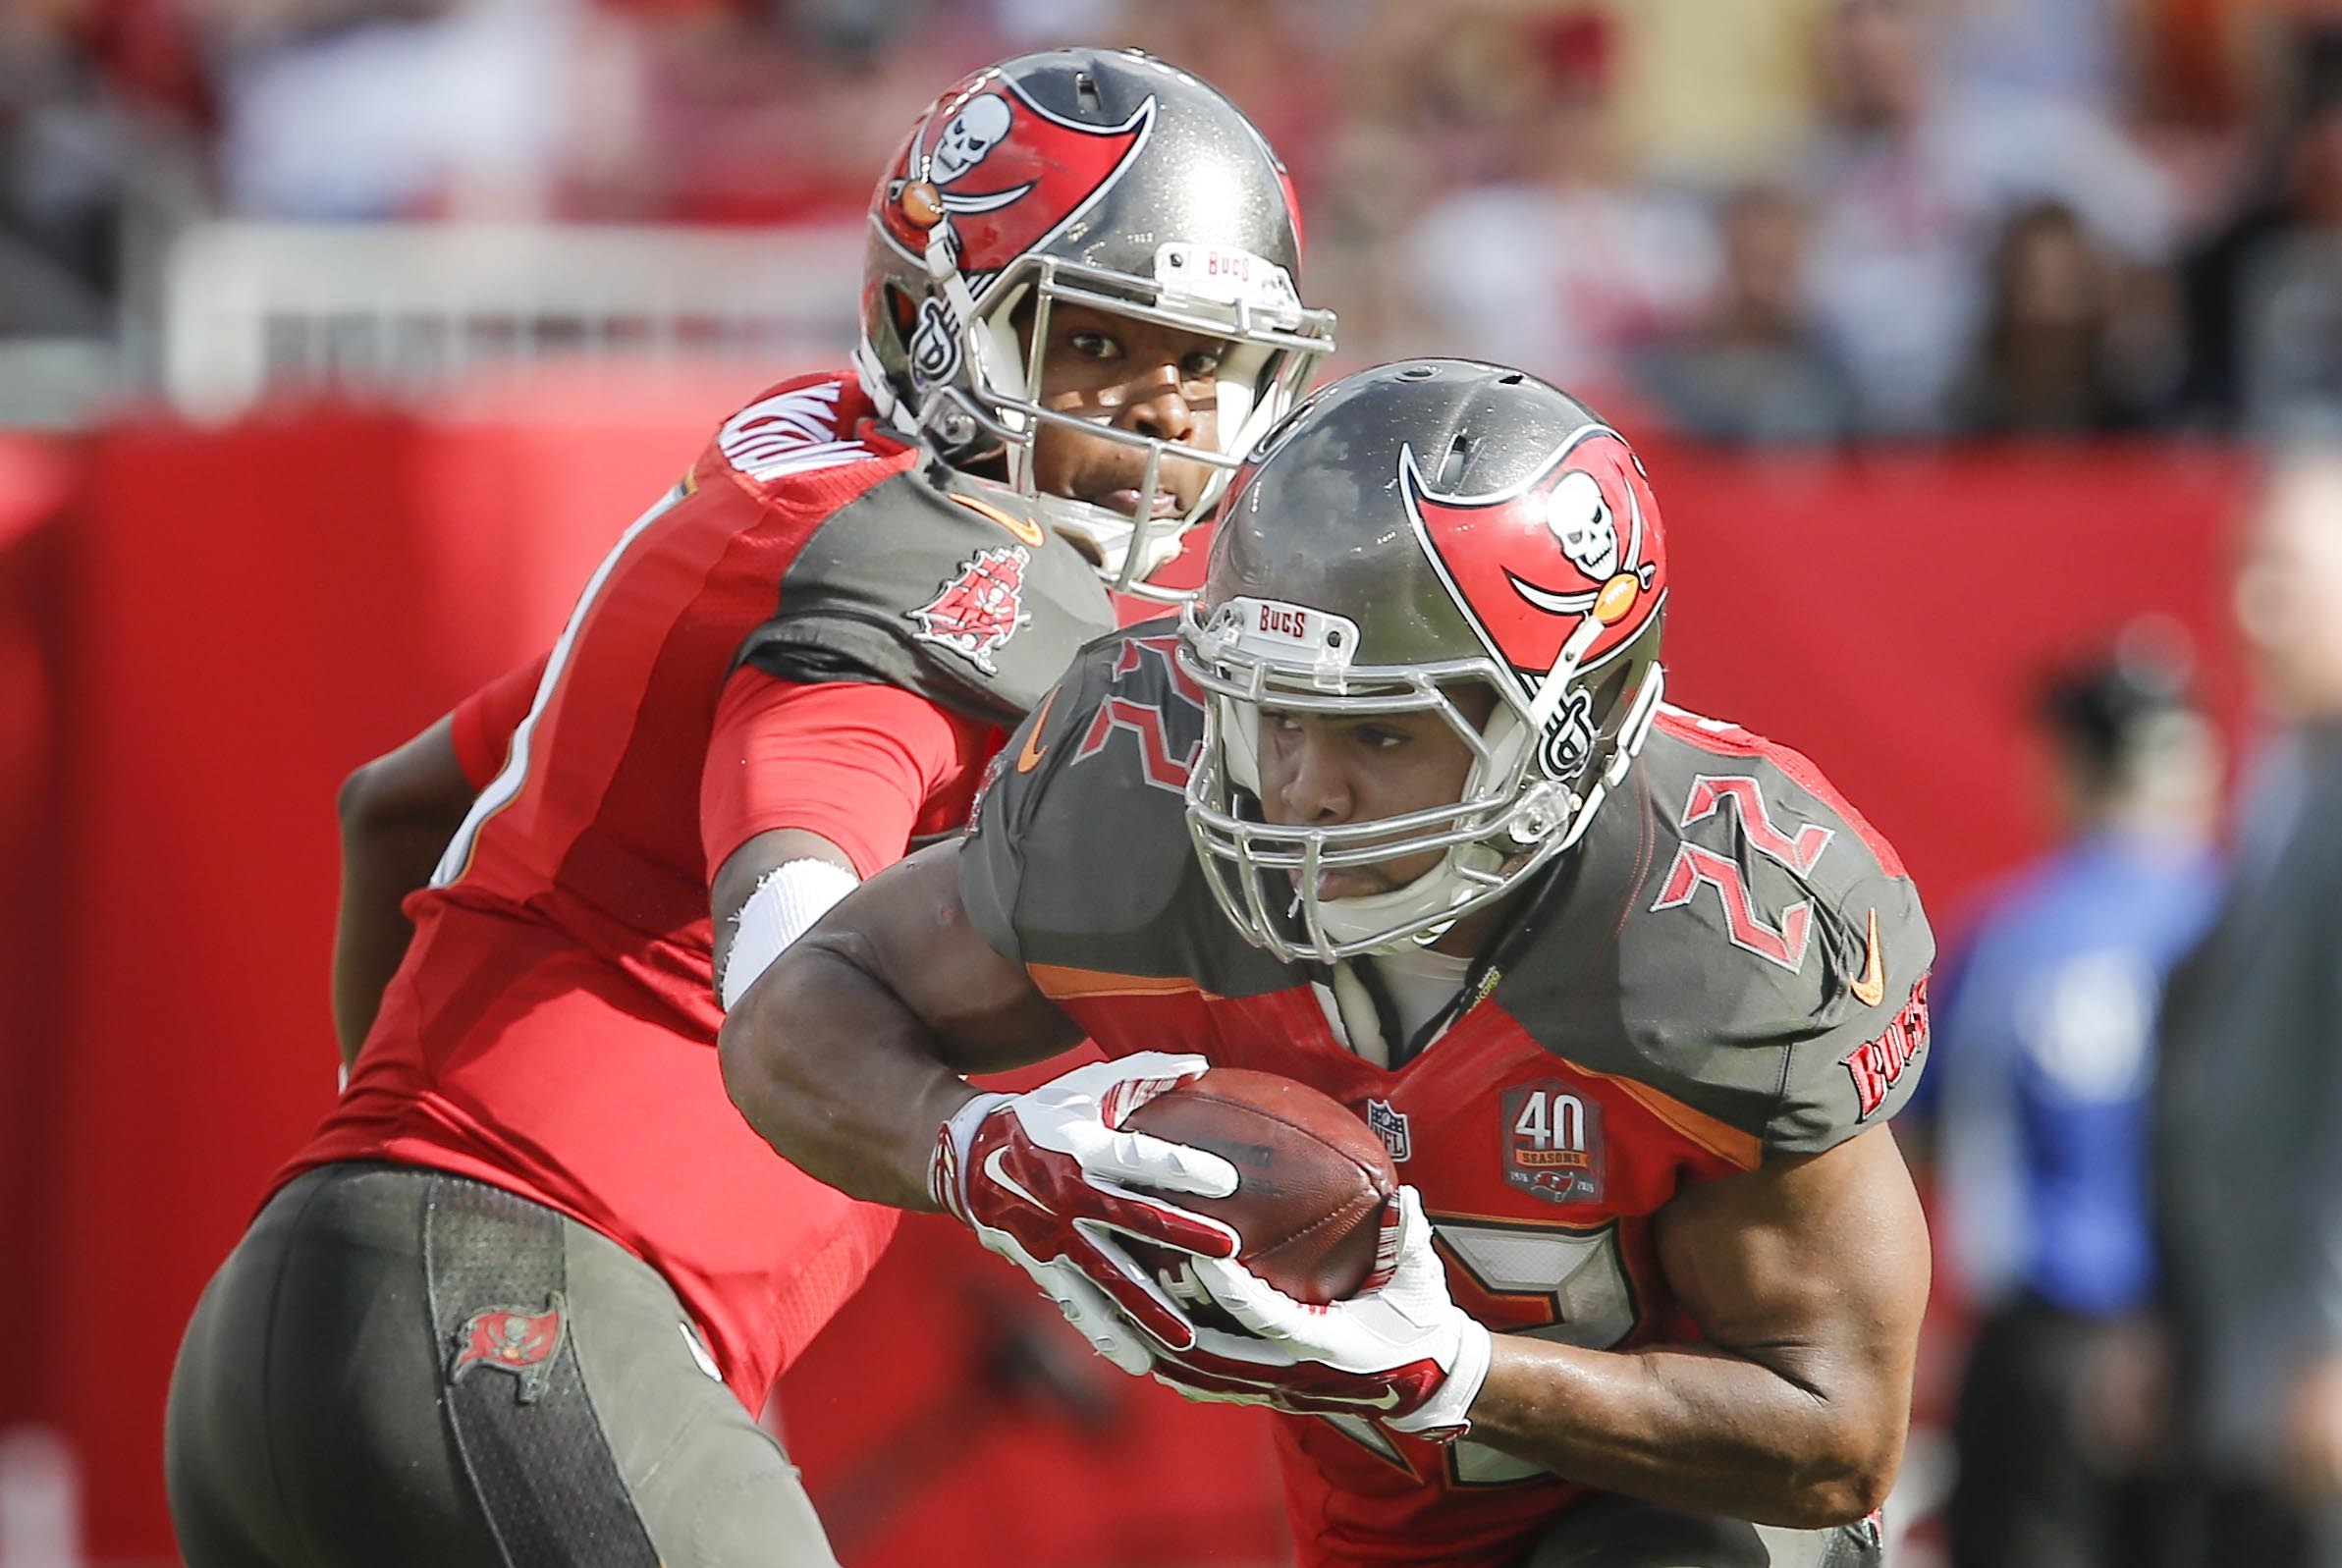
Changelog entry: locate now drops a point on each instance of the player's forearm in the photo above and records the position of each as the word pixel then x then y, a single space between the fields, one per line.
pixel 398 813
pixel 837 1075
pixel 370 938
pixel 381 864
pixel 1694 1427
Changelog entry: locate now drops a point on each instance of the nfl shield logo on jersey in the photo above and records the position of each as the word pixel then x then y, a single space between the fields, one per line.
pixel 1552 1142
pixel 1389 1125
pixel 979 609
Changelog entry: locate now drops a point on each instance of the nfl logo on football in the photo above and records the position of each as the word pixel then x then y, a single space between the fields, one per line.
pixel 1550 1143
pixel 1389 1125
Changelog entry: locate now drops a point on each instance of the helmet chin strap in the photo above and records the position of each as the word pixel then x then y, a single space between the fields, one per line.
pixel 894 412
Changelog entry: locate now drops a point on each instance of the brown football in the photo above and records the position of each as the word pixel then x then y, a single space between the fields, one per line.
pixel 1311 1179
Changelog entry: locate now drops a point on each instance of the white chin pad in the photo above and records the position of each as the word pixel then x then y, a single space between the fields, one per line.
pixel 1506 734
pixel 998 372
pixel 1108 533
pixel 1245 410
pixel 1369 915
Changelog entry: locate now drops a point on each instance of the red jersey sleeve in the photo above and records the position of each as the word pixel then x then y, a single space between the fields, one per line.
pixel 484 721
pixel 867 767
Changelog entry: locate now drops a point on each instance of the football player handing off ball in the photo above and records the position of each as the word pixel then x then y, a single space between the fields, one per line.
pixel 1397 810
pixel 521 1297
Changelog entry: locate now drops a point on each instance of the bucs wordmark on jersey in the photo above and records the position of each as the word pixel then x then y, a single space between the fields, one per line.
pixel 552 1029
pixel 1732 965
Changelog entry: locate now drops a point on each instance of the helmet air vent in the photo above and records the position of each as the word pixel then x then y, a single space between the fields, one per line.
pixel 1452 467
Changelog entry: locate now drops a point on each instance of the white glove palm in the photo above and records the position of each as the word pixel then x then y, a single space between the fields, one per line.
pixel 1403 1353
pixel 1047 1177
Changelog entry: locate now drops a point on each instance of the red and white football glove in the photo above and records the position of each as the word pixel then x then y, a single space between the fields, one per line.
pixel 1401 1353
pixel 1047 1178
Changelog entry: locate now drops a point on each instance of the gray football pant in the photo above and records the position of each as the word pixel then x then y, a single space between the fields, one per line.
pixel 398 1367
pixel 1611 1531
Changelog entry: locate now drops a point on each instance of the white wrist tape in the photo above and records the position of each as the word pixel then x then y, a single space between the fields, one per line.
pixel 784 906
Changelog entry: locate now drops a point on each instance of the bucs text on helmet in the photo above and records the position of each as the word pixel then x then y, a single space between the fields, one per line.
pixel 1106 179
pixel 1407 530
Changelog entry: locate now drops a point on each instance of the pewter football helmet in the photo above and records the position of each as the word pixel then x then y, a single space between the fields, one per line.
pixel 1093 177
pixel 1410 530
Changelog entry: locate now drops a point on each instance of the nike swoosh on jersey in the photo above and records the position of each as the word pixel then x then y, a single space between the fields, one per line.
pixel 1024 528
pixel 1028 756
pixel 1870 989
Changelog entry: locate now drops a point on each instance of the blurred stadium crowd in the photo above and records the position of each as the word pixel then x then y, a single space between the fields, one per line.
pixel 1800 220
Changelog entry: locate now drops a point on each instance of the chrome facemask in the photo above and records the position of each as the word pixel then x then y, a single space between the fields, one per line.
pixel 1274 344
pixel 1511 820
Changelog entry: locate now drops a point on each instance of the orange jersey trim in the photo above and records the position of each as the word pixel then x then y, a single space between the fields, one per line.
pixel 1745 1151
pixel 1720 1139
pixel 1060 983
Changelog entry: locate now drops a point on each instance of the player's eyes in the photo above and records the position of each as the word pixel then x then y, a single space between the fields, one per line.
pixel 1202 364
pixel 1381 737
pixel 1095 345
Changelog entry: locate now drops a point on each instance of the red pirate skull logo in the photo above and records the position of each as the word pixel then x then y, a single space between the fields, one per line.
pixel 1530 563
pixel 512 1339
pixel 980 608
pixel 1006 173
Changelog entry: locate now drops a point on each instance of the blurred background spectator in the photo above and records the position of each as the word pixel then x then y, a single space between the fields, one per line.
pixel 2072 343
pixel 1556 258
pixel 1914 178
pixel 2044 1057
pixel 1754 366
pixel 86 97
pixel 2247 1113
pixel 2264 292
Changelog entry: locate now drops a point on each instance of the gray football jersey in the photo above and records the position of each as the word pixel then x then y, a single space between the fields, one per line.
pixel 1731 941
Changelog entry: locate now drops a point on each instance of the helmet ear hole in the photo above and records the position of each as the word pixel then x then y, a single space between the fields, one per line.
pixel 1612 687
pixel 901 309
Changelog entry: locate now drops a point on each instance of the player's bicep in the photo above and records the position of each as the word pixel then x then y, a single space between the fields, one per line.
pixel 1813 1265
pixel 804 789
pixel 908 931
pixel 396 814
